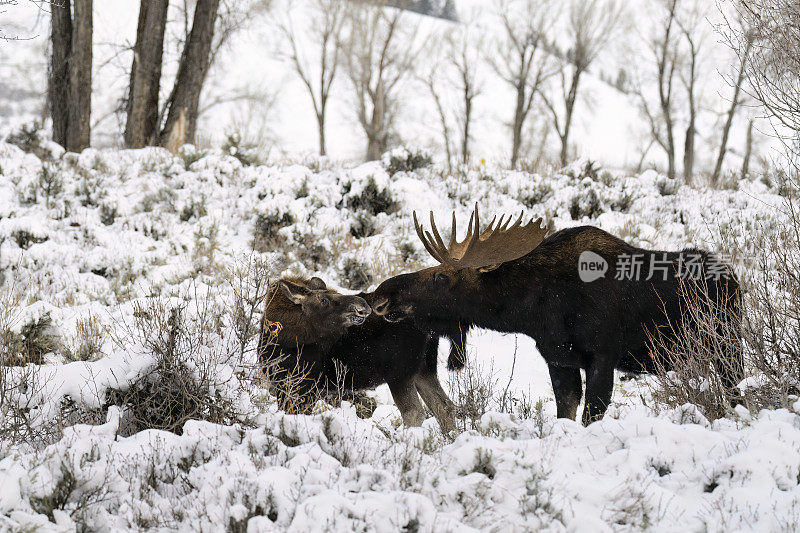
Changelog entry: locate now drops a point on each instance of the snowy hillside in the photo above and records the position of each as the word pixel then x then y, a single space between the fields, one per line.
pixel 105 240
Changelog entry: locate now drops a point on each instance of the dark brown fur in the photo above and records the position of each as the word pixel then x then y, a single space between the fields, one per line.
pixel 373 353
pixel 596 326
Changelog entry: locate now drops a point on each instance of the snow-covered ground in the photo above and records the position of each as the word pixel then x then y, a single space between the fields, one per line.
pixel 103 233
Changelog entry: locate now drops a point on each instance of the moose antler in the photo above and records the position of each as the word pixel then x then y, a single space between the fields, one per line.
pixel 496 244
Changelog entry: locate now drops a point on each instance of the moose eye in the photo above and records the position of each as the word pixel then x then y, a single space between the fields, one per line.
pixel 440 278
pixel 324 301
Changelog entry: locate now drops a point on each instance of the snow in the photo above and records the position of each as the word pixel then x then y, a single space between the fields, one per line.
pixel 253 91
pixel 639 468
pixel 340 473
pixel 125 228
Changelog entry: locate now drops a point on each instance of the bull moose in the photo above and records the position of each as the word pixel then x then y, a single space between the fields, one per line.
pixel 320 327
pixel 510 278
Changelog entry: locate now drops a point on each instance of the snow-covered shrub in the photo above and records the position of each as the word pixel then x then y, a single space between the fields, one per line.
pixel 406 160
pixel 69 488
pixel 371 197
pixel 49 184
pixel 108 213
pixel 246 153
pixel 87 342
pixel 667 186
pixel 585 203
pixel 535 194
pixel 32 138
pixel 265 230
pixel 186 381
pixel 362 225
pixel 25 239
pixel 355 274
pixel 34 339
pixel 772 317
pixel 195 208
pixel 206 245
pixel 164 198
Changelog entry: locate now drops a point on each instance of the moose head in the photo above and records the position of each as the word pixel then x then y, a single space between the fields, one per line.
pixel 467 270
pixel 309 311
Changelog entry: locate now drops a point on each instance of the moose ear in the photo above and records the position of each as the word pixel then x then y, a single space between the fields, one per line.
pixel 489 268
pixel 316 284
pixel 295 292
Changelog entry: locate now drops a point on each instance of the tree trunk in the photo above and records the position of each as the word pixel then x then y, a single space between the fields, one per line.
pixel 323 149
pixel 58 82
pixel 142 121
pixel 688 152
pixel 376 129
pixel 519 122
pixel 723 147
pixel 80 77
pixel 443 119
pixel 469 95
pixel 748 150
pixel 569 110
pixel 192 71
pixel 670 151
pixel 691 130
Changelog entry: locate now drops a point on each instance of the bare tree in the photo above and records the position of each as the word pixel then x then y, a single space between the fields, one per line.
pixel 432 79
pixel 58 76
pixel 184 100
pixel 736 99
pixel 70 76
pixel 773 69
pixel 465 57
pixel 379 53
pixel 591 26
pixel 318 74
pixel 454 69
pixel 522 59
pixel 693 37
pixel 665 51
pixel 142 107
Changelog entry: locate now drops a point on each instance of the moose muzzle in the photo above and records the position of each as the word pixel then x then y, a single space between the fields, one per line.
pixel 359 311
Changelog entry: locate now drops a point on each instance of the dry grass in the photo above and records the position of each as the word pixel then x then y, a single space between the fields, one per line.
pixel 699 360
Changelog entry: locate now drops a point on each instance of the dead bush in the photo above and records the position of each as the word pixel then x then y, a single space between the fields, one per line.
pixel 700 360
pixel 474 388
pixel 87 343
pixel 249 281
pixel 772 318
pixel 288 379
pixel 183 384
pixel 265 231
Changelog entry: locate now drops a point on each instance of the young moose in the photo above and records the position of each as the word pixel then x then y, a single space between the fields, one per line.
pixel 510 278
pixel 320 327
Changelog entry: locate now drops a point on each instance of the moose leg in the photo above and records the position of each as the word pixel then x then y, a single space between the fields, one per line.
pixel 567 388
pixel 407 401
pixel 436 399
pixel 599 386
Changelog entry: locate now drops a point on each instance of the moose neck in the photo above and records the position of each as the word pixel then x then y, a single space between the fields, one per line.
pixel 493 301
pixel 501 296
